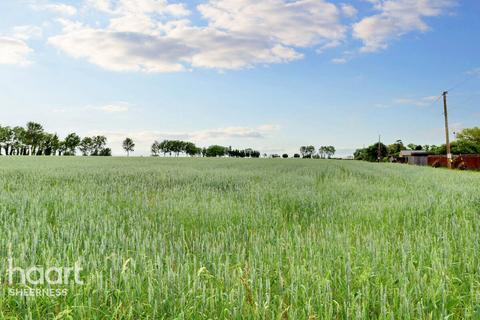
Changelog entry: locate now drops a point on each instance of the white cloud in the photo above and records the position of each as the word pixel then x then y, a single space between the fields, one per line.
pixel 348 10
pixel 299 23
pixel 234 132
pixel 27 32
pixel 420 102
pixel 121 51
pixel 396 18
pixel 474 72
pixel 14 51
pixel 132 7
pixel 59 8
pixel 195 136
pixel 155 36
pixel 339 60
pixel 115 108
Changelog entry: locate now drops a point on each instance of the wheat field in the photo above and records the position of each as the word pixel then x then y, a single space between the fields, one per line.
pixel 167 238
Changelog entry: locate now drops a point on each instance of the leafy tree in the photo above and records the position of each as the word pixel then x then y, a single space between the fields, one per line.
pixel 62 148
pixel 307 151
pixel 191 149
pixel 467 142
pixel 322 152
pixel 6 135
pixel 128 145
pixel 33 135
pixel 394 149
pixel 99 143
pixel 471 135
pixel 216 151
pixel 330 151
pixel 48 141
pixel 105 152
pixel 413 146
pixel 72 141
pixel 155 148
pixel 86 146
pixel 303 151
pixel 19 143
pixel 371 153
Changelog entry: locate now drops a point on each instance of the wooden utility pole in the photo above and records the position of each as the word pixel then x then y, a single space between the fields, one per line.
pixel 445 113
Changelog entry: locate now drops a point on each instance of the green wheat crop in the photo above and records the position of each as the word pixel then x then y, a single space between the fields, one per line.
pixel 242 239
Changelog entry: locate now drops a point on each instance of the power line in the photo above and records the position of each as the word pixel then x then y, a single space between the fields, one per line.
pixel 470 77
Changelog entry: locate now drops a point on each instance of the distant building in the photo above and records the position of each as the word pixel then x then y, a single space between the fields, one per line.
pixel 414 157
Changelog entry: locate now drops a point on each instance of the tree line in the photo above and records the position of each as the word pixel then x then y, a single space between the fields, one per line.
pixel 33 140
pixel 466 141
pixel 311 152
pixel 179 147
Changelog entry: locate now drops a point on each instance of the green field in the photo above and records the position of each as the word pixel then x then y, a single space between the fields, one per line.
pixel 242 239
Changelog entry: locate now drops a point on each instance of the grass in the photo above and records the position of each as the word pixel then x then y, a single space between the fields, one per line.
pixel 243 239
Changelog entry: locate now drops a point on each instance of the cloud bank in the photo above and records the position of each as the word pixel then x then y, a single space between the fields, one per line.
pixel 154 36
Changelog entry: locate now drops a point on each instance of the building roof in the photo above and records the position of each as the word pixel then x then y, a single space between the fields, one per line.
pixel 415 153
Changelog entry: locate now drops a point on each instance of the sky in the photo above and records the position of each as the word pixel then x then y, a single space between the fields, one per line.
pixel 269 74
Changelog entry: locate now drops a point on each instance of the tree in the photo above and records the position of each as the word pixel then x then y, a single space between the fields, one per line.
pixel 467 142
pixel 330 151
pixel 371 153
pixel 105 152
pixel 322 152
pixel 99 143
pixel 72 141
pixel 310 151
pixel 394 149
pixel 155 148
pixel 33 135
pixel 303 151
pixel 128 145
pixel 191 149
pixel 86 146
pixel 413 146
pixel 285 155
pixel 6 135
pixel 19 143
pixel 307 151
pixel 296 155
pixel 471 135
pixel 216 151
pixel 48 142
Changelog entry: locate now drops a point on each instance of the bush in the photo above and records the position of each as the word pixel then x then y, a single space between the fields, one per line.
pixel 296 155
pixel 285 156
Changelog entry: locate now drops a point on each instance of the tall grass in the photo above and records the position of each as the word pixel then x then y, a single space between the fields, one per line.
pixel 243 239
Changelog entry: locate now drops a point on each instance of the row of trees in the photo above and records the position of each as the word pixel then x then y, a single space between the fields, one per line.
pixel 467 142
pixel 178 147
pixel 34 141
pixel 323 152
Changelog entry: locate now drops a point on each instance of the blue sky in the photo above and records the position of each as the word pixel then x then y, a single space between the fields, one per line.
pixel 270 74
